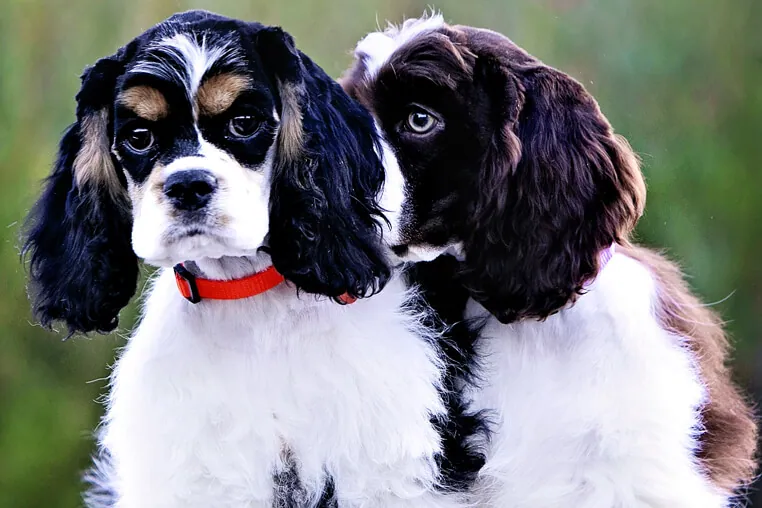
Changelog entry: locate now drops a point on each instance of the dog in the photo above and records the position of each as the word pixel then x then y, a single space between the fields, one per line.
pixel 606 377
pixel 215 150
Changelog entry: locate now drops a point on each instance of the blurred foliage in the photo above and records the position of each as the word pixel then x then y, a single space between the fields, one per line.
pixel 680 79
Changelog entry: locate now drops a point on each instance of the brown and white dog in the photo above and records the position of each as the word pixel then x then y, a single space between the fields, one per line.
pixel 605 376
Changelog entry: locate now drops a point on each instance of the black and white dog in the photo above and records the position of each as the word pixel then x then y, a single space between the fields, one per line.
pixel 213 146
pixel 606 376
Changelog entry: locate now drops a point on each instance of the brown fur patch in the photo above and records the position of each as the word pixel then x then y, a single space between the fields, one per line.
pixel 291 134
pixel 219 92
pixel 438 57
pixel 729 440
pixel 728 443
pixel 93 162
pixel 147 102
pixel 435 56
pixel 355 84
pixel 353 78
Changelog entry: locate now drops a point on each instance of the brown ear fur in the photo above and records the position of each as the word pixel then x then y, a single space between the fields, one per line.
pixel 729 440
pixel 563 184
pixel 581 189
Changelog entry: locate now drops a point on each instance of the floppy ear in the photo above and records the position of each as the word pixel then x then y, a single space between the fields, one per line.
pixel 324 231
pixel 561 186
pixel 83 270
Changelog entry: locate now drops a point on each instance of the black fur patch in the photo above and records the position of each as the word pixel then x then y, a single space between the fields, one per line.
pixel 324 218
pixel 98 479
pixel 290 492
pixel 83 270
pixel 464 433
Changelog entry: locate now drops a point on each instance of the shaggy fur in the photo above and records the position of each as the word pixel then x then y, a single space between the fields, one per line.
pixel 609 385
pixel 215 143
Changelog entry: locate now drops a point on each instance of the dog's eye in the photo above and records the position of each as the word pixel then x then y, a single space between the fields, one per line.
pixel 140 139
pixel 421 122
pixel 243 126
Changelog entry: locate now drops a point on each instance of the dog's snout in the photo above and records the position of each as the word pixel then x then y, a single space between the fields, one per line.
pixel 190 189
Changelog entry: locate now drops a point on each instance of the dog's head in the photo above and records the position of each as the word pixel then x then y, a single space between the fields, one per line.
pixel 504 159
pixel 206 137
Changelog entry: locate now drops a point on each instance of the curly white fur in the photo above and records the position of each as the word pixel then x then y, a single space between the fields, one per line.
pixel 208 400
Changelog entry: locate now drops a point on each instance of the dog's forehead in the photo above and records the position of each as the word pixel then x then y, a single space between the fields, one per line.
pixel 199 23
pixel 196 58
pixel 424 50
pixel 184 53
pixel 430 49
pixel 376 49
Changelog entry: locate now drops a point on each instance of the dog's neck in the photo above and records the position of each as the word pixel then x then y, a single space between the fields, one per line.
pixel 228 267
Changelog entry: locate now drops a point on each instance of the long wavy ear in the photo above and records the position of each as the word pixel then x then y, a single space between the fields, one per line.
pixel 83 270
pixel 561 186
pixel 324 216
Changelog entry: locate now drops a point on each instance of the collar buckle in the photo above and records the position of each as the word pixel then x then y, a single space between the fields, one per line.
pixel 186 283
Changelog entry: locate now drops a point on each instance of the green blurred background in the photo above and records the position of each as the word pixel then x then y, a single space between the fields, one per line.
pixel 682 79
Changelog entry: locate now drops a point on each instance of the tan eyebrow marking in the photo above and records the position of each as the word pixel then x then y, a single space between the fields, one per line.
pixel 219 92
pixel 147 102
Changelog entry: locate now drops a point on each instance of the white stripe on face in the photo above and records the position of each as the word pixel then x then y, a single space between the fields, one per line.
pixel 195 60
pixel 376 48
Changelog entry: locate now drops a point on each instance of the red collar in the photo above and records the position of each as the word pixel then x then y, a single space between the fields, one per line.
pixel 194 289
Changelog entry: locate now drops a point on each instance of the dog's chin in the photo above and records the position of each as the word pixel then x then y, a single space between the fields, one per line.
pixel 196 244
pixel 417 253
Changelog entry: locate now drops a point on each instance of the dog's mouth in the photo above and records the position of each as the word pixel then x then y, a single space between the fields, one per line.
pixel 192 242
pixel 425 252
pixel 417 253
pixel 178 234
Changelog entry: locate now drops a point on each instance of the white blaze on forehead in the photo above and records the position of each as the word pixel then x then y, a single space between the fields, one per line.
pixel 194 58
pixel 377 48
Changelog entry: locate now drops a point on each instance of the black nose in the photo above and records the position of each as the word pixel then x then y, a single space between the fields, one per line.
pixel 190 189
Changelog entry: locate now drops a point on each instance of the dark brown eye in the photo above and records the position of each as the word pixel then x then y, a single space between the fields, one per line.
pixel 243 126
pixel 420 121
pixel 140 139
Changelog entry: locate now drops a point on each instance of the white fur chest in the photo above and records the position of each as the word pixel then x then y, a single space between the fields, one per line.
pixel 597 406
pixel 210 401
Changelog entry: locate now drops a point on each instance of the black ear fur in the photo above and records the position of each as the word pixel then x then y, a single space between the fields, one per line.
pixel 562 187
pixel 324 230
pixel 83 270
